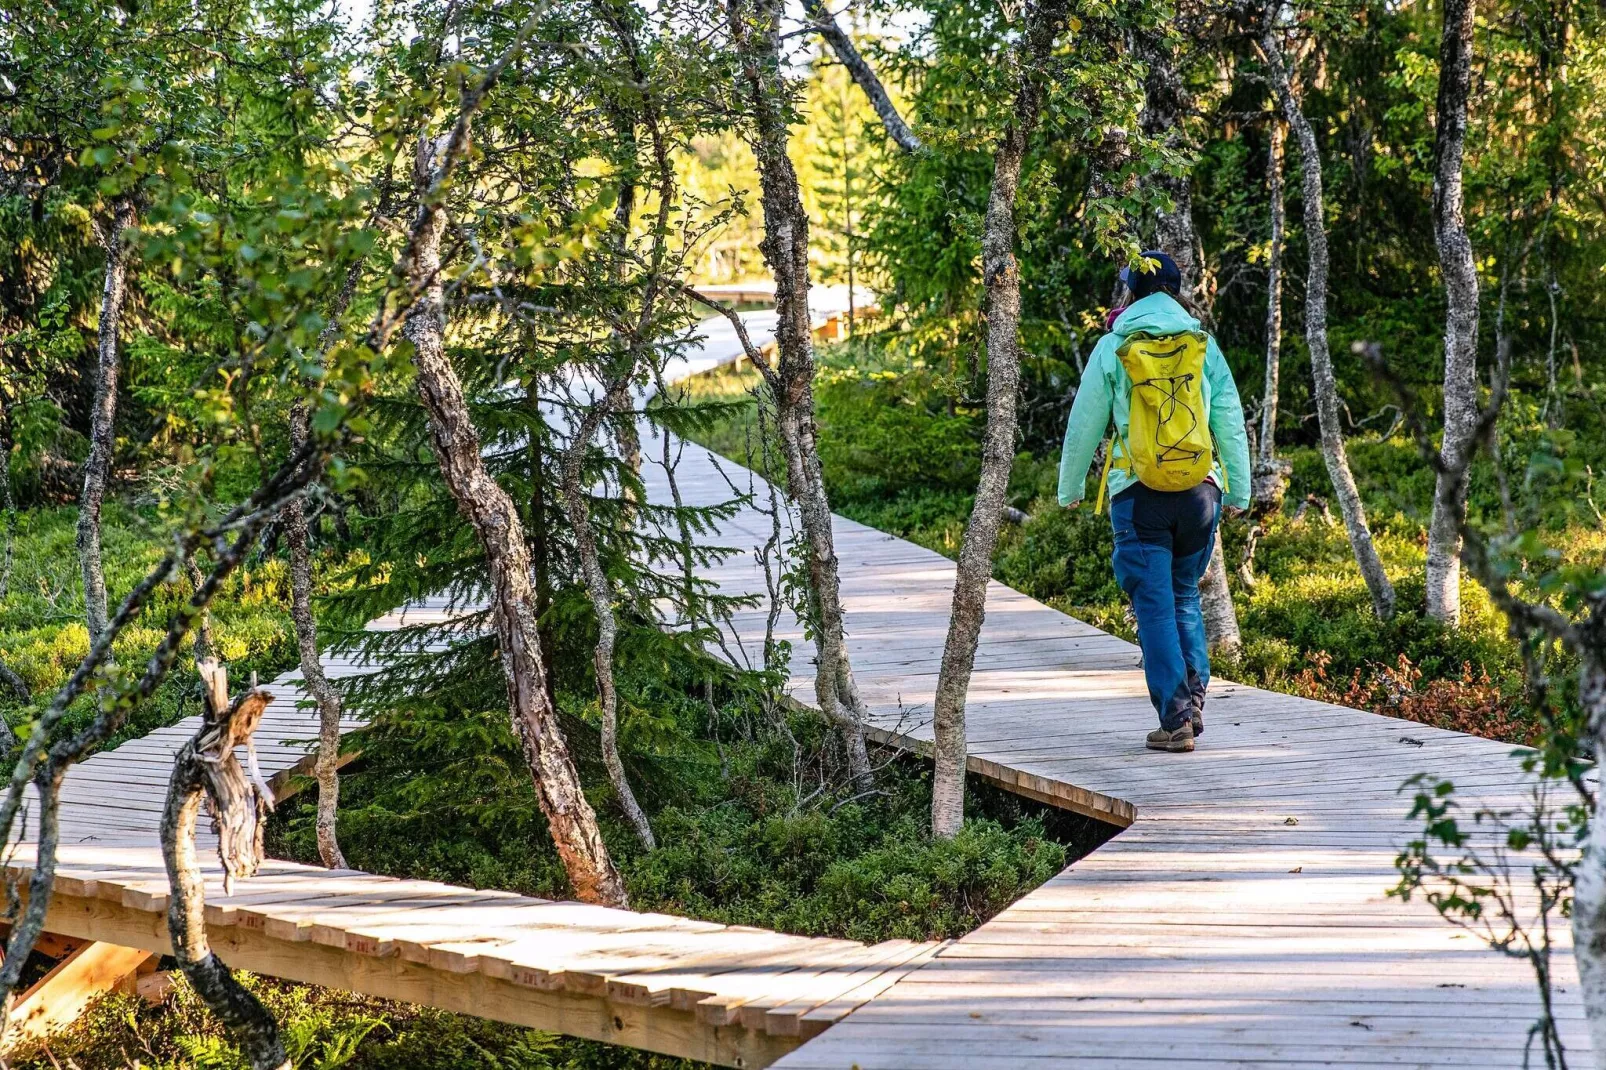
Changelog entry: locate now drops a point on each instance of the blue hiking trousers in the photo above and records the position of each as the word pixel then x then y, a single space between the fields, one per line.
pixel 1163 541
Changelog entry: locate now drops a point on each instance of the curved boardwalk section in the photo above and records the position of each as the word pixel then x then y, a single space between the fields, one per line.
pixel 1242 918
pixel 732 995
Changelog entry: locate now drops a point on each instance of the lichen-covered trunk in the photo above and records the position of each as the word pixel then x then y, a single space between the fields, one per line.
pixel 1461 317
pixel 834 688
pixel 1001 279
pixel 8 499
pixel 848 55
pixel 1165 103
pixel 1321 361
pixel 313 679
pixel 1270 480
pixel 203 624
pixel 1215 600
pixel 627 440
pixel 103 417
pixel 456 443
pixel 206 766
pixel 785 246
pixel 600 591
pixel 1589 879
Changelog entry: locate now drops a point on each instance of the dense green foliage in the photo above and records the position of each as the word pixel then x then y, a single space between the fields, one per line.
pixel 42 623
pixel 761 830
pixel 323 1030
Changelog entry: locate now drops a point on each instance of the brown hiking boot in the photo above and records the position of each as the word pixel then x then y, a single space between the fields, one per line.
pixel 1175 741
pixel 1198 723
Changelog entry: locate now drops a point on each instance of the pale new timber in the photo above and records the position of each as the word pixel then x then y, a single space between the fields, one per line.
pixel 1241 919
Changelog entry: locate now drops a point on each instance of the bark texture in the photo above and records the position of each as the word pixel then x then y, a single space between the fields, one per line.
pixel 848 54
pixel 578 508
pixel 1001 278
pixel 755 26
pixel 103 416
pixel 313 680
pixel 1326 390
pixel 203 624
pixel 456 443
pixel 1589 879
pixel 1215 600
pixel 1165 104
pixel 1461 318
pixel 1270 481
pixel 206 768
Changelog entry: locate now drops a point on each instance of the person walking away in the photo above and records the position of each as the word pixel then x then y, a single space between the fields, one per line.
pixel 1179 453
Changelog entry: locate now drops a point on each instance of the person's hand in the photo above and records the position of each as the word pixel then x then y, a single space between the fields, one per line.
pixel 1233 512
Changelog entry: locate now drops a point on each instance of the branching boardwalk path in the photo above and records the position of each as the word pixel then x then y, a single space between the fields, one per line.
pixel 1240 921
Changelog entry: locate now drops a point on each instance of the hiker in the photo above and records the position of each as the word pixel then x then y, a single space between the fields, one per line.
pixel 1178 453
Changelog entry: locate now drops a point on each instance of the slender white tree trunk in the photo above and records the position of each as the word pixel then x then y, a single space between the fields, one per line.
pixel 1271 474
pixel 600 591
pixel 1215 601
pixel 1589 881
pixel 848 55
pixel 8 521
pixel 1321 361
pixel 1461 318
pixel 1001 277
pixel 103 417
pixel 317 685
pixel 755 26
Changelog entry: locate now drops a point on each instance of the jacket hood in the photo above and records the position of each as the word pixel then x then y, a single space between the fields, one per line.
pixel 1157 314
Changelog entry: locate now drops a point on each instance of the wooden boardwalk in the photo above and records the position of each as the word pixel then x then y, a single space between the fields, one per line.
pixel 733 995
pixel 1240 920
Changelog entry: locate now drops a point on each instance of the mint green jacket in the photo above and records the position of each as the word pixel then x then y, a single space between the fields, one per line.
pixel 1105 392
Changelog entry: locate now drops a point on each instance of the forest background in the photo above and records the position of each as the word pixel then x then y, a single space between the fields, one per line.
pixel 756 815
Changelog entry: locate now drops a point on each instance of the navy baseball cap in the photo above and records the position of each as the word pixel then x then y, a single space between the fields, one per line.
pixel 1167 276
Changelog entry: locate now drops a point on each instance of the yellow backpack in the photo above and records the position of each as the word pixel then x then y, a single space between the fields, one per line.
pixel 1168 444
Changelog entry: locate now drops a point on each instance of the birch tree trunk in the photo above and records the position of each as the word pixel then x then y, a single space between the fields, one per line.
pixel 848 55
pixel 456 443
pixel 317 685
pixel 103 416
pixel 1589 881
pixel 1461 318
pixel 1215 601
pixel 755 26
pixel 600 592
pixel 1165 103
pixel 1326 390
pixel 1270 481
pixel 1001 277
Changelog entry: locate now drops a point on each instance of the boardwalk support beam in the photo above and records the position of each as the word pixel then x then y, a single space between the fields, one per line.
pixel 57 999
